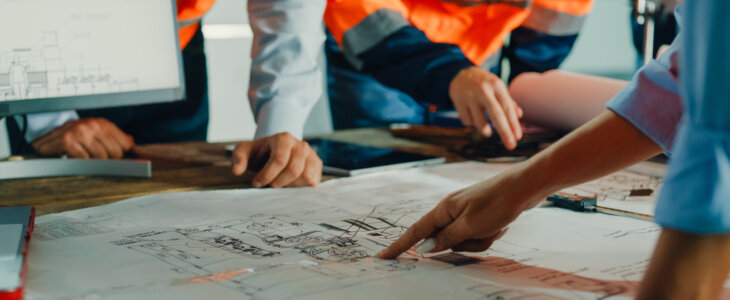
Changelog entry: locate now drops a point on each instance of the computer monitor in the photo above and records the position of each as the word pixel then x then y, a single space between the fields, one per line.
pixel 81 54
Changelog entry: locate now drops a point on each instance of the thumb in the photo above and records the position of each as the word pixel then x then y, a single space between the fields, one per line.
pixel 240 157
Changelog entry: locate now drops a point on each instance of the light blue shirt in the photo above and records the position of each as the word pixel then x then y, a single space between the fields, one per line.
pixel 39 124
pixel 696 193
pixel 286 78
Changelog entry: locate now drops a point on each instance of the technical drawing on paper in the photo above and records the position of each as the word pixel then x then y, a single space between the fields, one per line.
pixel 261 254
pixel 618 186
pixel 320 243
pixel 325 249
pixel 46 70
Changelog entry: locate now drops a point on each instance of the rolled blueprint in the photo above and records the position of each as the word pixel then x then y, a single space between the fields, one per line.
pixel 562 100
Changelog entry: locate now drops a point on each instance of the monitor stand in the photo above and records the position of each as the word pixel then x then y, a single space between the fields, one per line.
pixel 56 167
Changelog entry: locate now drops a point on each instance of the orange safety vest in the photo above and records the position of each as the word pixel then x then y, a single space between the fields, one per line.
pixel 189 13
pixel 478 27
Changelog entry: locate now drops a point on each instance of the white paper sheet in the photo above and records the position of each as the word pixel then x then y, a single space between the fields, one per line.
pixel 318 243
pixel 615 191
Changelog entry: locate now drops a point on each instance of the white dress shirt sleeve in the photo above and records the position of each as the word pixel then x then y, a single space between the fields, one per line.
pixel 286 78
pixel 40 124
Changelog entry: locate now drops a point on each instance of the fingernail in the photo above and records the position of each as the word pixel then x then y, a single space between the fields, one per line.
pixel 256 184
pixel 425 246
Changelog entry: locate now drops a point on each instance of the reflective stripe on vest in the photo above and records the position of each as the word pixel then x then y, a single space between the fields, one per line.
pixel 492 61
pixel 185 23
pixel 466 3
pixel 549 16
pixel 371 30
pixel 478 27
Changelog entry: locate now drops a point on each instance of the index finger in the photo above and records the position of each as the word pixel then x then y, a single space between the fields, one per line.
pixel 510 109
pixel 434 220
pixel 125 141
pixel 240 156
pixel 497 115
pixel 278 160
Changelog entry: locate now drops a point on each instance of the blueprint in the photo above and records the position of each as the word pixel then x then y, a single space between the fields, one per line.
pixel 623 190
pixel 315 243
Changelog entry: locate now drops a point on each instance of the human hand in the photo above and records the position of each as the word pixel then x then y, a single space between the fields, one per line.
pixel 468 220
pixel 474 91
pixel 281 159
pixel 85 138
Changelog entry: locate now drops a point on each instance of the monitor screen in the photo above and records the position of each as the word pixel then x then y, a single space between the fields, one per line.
pixel 77 54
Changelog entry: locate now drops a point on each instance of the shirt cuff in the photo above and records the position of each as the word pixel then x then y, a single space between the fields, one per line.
pixel 652 106
pixel 274 118
pixel 695 197
pixel 42 123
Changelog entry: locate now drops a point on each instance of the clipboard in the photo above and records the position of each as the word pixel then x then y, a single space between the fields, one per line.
pixel 16 226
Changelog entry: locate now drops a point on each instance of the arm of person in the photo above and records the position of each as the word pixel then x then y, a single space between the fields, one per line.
pixel 377 39
pixel 286 82
pixel 85 138
pixel 286 77
pixel 692 257
pixel 281 161
pixel 63 133
pixel 687 266
pixel 641 123
pixel 472 218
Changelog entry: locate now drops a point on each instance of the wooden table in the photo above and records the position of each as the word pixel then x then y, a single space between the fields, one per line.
pixel 175 167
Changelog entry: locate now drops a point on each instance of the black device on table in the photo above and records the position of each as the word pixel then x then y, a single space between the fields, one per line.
pixel 492 149
pixel 348 159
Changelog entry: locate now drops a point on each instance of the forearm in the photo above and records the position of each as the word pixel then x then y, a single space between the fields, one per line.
pixel 604 145
pixel 286 78
pixel 687 266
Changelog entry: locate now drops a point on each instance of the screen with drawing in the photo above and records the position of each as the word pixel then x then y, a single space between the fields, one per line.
pixel 75 54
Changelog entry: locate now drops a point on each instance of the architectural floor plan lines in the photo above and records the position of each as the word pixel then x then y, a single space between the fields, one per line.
pixel 74 48
pixel 203 249
pixel 619 186
pixel 46 70
pixel 321 243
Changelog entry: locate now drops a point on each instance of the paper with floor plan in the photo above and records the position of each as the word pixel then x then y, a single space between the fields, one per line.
pixel 315 243
pixel 623 191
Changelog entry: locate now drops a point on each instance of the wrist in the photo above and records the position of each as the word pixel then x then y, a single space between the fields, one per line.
pixel 456 78
pixel 537 180
pixel 455 85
